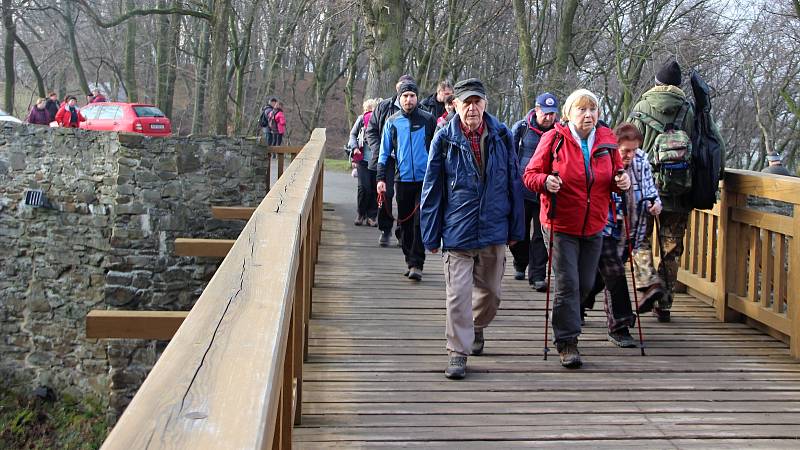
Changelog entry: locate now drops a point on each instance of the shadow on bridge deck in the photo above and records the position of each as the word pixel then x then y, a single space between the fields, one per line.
pixel 374 375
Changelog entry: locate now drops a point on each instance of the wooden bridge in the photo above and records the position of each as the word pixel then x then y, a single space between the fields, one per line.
pixel 258 364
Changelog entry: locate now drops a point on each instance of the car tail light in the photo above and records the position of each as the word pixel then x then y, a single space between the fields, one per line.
pixel 137 126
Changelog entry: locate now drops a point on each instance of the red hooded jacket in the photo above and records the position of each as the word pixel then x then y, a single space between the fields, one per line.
pixel 583 200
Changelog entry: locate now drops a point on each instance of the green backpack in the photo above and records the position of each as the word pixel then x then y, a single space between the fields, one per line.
pixel 671 156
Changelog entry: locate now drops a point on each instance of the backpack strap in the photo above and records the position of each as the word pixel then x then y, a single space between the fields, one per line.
pixel 678 124
pixel 648 120
pixel 555 149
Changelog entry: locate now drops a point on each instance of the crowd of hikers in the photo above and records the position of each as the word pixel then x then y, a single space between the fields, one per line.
pixel 573 199
pixel 66 114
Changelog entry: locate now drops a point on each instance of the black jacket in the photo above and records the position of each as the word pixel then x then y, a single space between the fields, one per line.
pixel 52 107
pixel 431 105
pixel 375 127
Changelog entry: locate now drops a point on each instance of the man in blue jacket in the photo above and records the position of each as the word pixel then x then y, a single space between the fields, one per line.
pixel 531 252
pixel 405 139
pixel 471 208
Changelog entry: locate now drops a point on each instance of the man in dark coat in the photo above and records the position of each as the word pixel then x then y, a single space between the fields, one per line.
pixel 434 103
pixel 531 252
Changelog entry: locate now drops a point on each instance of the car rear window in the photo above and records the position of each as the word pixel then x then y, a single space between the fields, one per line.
pixel 148 111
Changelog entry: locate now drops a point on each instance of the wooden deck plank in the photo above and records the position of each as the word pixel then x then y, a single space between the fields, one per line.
pixel 374 374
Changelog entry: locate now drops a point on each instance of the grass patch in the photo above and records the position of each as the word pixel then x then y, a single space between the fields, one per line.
pixel 338 165
pixel 33 423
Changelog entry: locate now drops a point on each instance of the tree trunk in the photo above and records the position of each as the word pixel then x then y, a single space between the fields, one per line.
pixel 563 45
pixel 526 62
pixel 386 23
pixel 218 105
pixel 131 86
pixel 201 76
pixel 8 56
pixel 73 46
pixel 352 68
pixel 172 60
pixel 34 67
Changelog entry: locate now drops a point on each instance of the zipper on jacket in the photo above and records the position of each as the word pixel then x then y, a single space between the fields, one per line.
pixel 589 184
pixel 411 148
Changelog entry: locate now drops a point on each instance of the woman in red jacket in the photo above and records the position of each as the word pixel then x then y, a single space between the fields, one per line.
pixel 69 116
pixel 574 170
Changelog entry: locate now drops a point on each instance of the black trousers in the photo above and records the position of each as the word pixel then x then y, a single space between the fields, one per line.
pixel 367 198
pixel 531 252
pixel 385 220
pixel 408 198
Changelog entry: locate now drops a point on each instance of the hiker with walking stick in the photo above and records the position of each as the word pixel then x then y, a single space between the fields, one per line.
pixel 586 159
pixel 624 231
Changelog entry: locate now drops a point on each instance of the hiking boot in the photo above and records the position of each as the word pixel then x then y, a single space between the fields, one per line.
pixel 415 274
pixel 570 356
pixel 539 286
pixel 653 294
pixel 359 221
pixel 662 315
pixel 519 275
pixel 621 338
pixel 456 367
pixel 477 344
pixel 372 223
pixel 383 241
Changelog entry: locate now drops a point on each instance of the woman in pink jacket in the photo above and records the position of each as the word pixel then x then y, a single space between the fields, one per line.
pixel 280 121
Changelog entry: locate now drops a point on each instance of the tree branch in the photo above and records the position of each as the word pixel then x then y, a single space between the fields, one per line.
pixel 140 12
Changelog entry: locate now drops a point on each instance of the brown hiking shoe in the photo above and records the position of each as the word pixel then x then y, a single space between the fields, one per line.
pixel 570 356
pixel 477 344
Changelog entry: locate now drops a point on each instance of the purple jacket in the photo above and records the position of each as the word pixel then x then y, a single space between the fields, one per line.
pixel 38 116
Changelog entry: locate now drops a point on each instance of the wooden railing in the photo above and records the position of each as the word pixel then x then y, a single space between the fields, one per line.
pixel 746 260
pixel 231 377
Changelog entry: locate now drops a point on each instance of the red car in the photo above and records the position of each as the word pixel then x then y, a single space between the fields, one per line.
pixel 129 117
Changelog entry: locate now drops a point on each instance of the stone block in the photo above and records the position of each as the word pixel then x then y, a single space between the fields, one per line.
pixel 120 295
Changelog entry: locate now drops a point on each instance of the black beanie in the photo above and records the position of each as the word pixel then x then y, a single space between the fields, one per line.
pixel 406 86
pixel 669 73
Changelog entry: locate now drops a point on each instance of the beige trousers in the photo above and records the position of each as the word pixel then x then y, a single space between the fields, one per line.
pixel 472 279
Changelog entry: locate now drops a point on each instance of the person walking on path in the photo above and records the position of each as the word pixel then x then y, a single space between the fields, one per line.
pixel 576 163
pixel 530 252
pixel 374 137
pixel 406 137
pixel 471 209
pixel 360 153
pixel 665 104
pixel 69 115
pixel 52 105
pixel 39 114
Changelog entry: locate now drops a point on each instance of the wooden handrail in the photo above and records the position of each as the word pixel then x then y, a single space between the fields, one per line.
pixel 231 377
pixel 745 261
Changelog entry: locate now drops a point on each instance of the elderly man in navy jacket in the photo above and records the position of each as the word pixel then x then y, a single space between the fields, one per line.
pixel 471 209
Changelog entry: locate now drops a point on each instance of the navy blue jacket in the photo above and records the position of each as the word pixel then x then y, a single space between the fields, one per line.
pixel 526 138
pixel 459 209
pixel 406 138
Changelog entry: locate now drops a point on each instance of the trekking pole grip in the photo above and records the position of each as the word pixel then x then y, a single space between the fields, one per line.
pixel 551 214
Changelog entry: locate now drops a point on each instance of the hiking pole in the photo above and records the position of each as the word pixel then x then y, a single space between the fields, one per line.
pixel 551 215
pixel 630 261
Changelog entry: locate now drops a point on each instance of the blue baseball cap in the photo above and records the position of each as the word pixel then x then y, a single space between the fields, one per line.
pixel 547 102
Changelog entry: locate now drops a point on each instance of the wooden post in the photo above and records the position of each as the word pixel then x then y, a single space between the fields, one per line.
pixel 726 255
pixel 298 330
pixel 269 170
pixel 793 294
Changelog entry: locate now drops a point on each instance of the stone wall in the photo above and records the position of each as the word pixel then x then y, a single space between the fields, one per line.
pixel 117 202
